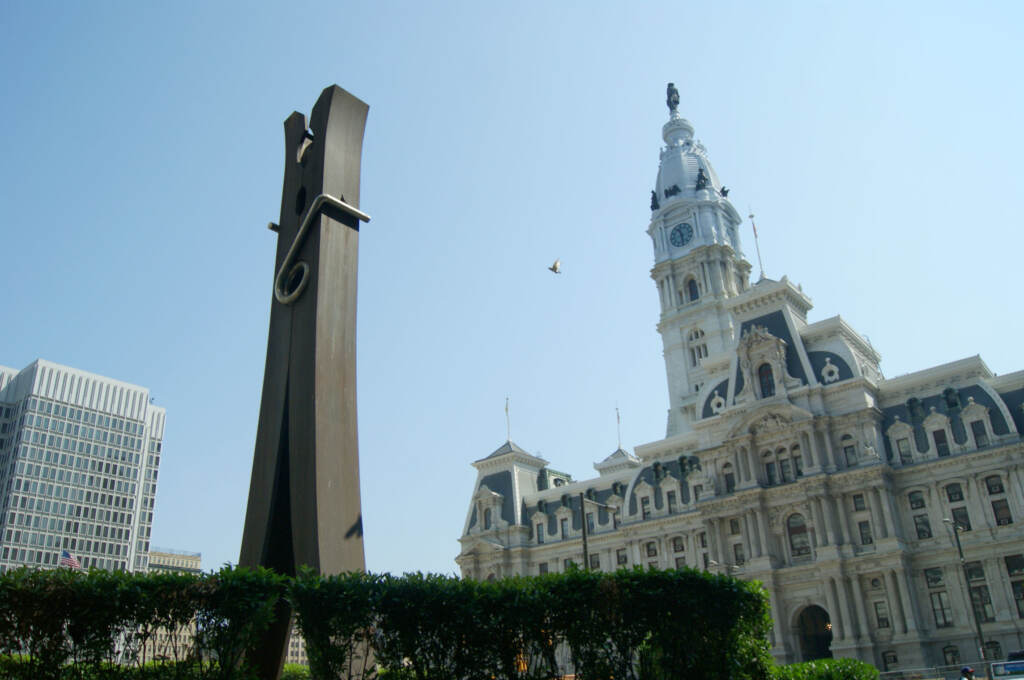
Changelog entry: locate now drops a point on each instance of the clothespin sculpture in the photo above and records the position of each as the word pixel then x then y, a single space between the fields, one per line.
pixel 304 506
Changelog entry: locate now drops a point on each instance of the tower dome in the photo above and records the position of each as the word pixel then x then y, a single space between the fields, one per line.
pixel 684 171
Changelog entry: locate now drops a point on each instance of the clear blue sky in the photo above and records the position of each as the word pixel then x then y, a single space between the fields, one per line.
pixel 879 144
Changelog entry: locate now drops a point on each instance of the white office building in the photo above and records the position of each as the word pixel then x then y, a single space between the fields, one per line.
pixel 788 458
pixel 79 455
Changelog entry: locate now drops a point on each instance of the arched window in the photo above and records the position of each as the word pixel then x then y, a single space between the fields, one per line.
pixel 487 518
pixel 799 544
pixel 691 290
pixel 767 380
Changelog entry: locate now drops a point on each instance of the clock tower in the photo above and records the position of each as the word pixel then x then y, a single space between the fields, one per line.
pixel 698 264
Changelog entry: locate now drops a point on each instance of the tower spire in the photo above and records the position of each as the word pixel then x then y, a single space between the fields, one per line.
pixel 508 421
pixel 618 420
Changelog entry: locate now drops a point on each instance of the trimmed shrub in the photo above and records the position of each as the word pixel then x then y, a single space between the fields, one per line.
pixel 826 669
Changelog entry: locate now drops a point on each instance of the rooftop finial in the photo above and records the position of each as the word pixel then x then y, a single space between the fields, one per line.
pixel 508 421
pixel 672 98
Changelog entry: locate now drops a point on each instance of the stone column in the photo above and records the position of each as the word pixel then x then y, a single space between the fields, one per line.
pixel 877 525
pixel 762 526
pixel 838 629
pixel 819 522
pixel 886 508
pixel 844 606
pixel 1002 604
pixel 858 601
pixel 748 546
pixel 977 498
pixel 899 613
pixel 908 598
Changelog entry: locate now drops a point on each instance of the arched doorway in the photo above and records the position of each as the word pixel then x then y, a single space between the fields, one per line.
pixel 815 633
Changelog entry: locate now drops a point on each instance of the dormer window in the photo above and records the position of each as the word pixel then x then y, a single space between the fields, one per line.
pixel 941 443
pixel 487 519
pixel 767 380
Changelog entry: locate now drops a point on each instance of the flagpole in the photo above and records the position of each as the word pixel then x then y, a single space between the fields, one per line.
pixel 757 245
pixel 508 421
pixel 618 425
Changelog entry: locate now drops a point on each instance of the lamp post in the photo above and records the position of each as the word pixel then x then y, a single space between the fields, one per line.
pixel 583 524
pixel 967 585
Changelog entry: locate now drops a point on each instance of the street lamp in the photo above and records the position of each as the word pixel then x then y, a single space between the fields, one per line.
pixel 583 524
pixel 967 584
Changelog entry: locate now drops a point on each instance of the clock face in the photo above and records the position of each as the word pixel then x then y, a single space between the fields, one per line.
pixel 681 235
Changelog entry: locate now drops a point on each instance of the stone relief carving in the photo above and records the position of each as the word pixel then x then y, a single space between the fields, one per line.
pixel 829 373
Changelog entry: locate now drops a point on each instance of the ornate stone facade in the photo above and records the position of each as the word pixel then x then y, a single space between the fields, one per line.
pixel 789 459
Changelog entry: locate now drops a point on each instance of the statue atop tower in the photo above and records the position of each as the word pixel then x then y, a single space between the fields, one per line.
pixel 672 98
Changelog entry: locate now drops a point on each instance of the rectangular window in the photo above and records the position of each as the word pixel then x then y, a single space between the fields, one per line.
pixel 734 527
pixel 865 533
pixel 923 527
pixel 882 614
pixel 1001 510
pixel 671 499
pixel 730 482
pixel 1014 565
pixel 974 572
pixel 961 518
pixel 979 432
pixel 982 602
pixel 697 489
pixel 645 505
pixel 941 610
pixel 564 524
pixel 590 522
pixel 652 549
pixel 994 484
pixel 798 464
pixel 738 554
pixel 954 493
pixel 540 533
pixel 620 556
pixel 706 560
pixel 903 448
pixel 784 471
pixel 850 453
pixel 941 444
pixel 1018 597
pixel 681 564
pixel 916 499
pixel 858 502
pixel 595 561
pixel 677 544
pixel 703 539
pixel 567 564
pixel 769 473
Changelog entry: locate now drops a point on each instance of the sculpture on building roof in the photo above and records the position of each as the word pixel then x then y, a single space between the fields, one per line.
pixel 672 98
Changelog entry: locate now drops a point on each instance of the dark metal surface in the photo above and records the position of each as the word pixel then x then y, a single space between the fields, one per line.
pixel 304 505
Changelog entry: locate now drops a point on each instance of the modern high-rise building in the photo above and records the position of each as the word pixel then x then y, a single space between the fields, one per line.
pixel 79 455
pixel 790 459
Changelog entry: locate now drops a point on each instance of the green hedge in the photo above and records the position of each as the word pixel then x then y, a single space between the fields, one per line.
pixel 826 669
pixel 630 625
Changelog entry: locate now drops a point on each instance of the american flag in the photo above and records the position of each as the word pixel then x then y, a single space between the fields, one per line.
pixel 67 560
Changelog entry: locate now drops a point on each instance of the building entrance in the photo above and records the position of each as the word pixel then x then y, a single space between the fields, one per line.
pixel 815 632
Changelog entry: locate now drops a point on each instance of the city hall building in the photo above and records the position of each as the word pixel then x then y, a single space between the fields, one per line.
pixel 790 459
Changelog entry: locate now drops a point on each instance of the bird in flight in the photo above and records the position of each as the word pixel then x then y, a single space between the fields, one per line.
pixel 556 267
